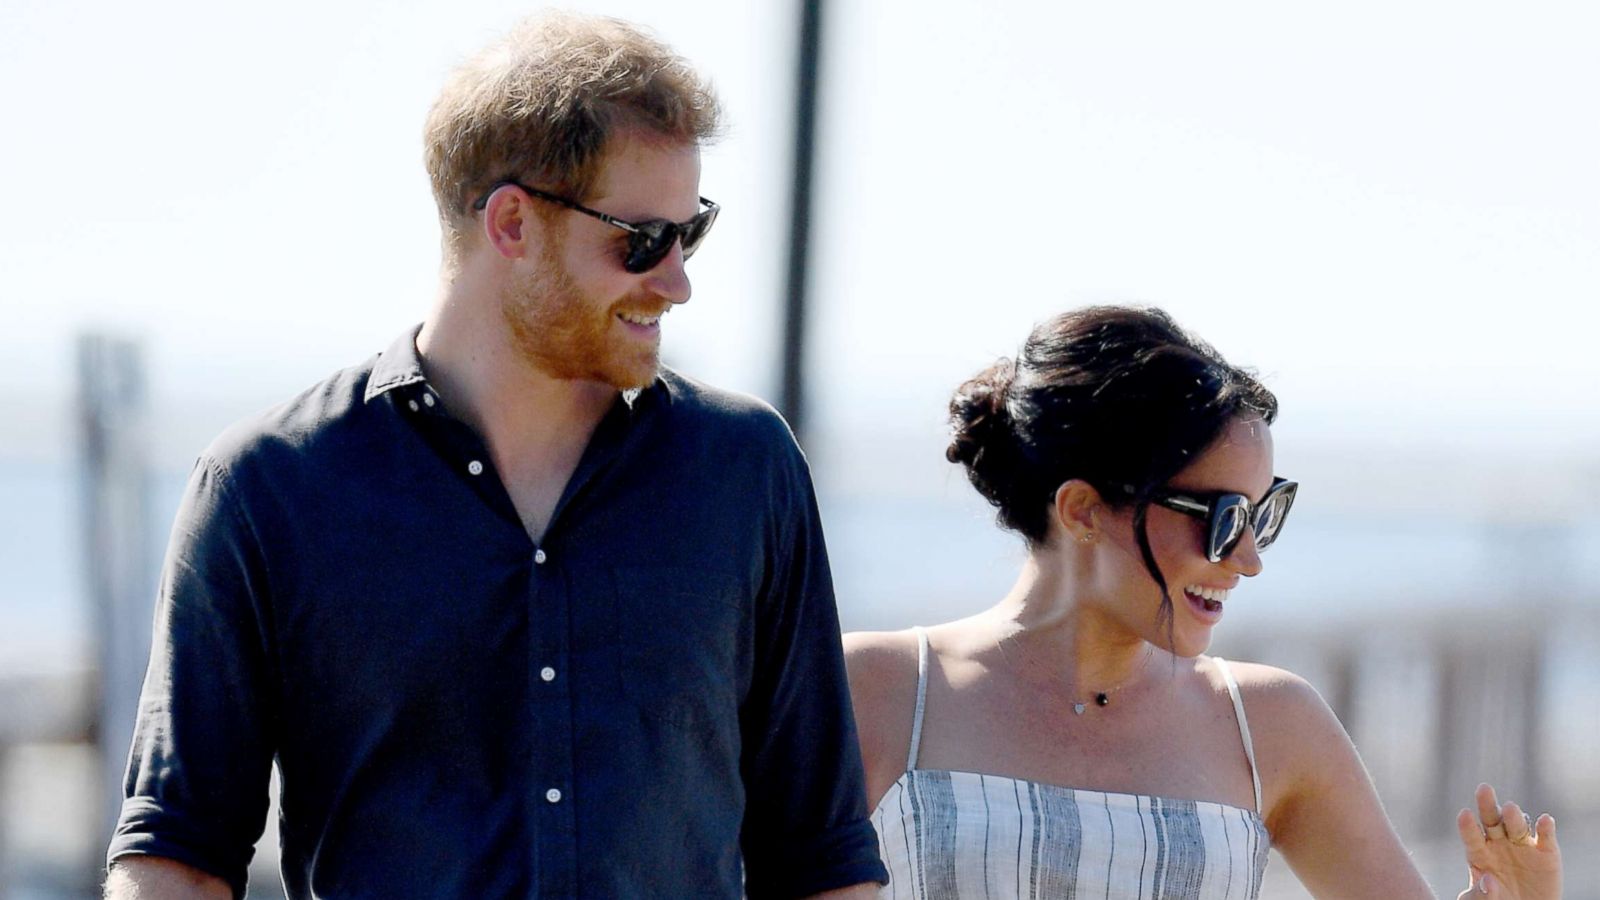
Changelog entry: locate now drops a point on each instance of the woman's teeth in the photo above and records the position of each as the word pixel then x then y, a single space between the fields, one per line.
pixel 1205 593
pixel 1211 597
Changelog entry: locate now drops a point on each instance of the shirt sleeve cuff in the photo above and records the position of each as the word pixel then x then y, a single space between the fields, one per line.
pixel 147 829
pixel 845 856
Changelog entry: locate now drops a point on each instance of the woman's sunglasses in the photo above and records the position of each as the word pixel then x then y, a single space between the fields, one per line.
pixel 1227 515
pixel 649 241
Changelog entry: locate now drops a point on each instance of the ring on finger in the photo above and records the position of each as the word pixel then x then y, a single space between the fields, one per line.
pixel 1527 837
pixel 1497 830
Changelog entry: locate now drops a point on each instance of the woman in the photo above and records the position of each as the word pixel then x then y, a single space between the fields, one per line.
pixel 1073 740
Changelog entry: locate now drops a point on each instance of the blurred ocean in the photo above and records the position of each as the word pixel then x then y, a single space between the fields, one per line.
pixel 45 618
pixel 906 558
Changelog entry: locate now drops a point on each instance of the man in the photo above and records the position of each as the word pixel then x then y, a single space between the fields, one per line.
pixel 515 612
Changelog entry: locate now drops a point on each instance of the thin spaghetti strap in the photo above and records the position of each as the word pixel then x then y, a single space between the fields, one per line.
pixel 922 696
pixel 1244 725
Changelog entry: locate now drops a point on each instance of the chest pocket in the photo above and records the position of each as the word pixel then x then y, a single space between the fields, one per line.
pixel 683 644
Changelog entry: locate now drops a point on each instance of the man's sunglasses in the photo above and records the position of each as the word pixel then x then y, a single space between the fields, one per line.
pixel 1227 515
pixel 649 241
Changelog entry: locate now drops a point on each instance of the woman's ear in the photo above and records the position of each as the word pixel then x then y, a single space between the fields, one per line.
pixel 1077 504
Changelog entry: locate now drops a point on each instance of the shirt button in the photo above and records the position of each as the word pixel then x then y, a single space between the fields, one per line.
pixel 428 399
pixel 413 405
pixel 475 467
pixel 539 557
pixel 552 795
pixel 547 674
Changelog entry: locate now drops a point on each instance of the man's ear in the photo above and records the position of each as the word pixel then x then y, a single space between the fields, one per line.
pixel 1076 505
pixel 507 222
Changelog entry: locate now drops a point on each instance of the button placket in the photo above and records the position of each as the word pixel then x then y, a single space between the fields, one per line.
pixel 550 673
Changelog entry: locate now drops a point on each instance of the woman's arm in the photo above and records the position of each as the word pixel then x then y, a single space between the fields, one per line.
pixel 882 668
pixel 1320 805
pixel 1325 817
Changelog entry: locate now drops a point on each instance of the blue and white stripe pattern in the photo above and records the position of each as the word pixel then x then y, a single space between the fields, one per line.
pixel 961 835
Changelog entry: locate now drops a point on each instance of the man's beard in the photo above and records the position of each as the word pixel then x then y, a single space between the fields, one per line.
pixel 566 334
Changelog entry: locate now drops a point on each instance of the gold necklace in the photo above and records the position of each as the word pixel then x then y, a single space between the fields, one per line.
pixel 1101 698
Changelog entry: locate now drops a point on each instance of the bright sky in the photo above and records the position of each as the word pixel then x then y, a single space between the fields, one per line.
pixel 1391 209
pixel 242 185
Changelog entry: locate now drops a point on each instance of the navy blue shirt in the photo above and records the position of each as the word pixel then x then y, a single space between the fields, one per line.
pixel 651 702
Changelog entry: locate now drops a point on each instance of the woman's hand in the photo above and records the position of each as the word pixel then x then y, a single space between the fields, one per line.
pixel 1511 856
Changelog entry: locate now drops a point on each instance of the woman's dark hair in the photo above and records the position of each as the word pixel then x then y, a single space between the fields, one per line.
pixel 1119 397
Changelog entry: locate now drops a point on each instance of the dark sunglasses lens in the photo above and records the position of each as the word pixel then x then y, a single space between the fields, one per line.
pixel 1227 526
pixel 1269 520
pixel 696 231
pixel 653 241
pixel 649 245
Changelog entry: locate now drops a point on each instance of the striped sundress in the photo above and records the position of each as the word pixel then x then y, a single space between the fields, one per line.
pixel 948 835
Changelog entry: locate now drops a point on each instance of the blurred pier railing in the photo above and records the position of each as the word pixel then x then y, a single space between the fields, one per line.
pixel 1440 700
pixel 46 709
pixel 113 428
pixel 95 707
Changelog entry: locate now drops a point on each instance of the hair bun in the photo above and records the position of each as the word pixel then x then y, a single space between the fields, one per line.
pixel 1112 395
pixel 980 423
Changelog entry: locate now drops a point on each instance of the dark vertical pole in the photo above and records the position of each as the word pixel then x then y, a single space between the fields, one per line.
pixel 792 401
pixel 113 430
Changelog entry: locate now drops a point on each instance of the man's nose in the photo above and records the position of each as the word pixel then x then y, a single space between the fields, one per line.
pixel 668 279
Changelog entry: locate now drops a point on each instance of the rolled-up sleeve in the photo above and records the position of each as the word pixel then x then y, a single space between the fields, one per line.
pixel 806 828
pixel 198 772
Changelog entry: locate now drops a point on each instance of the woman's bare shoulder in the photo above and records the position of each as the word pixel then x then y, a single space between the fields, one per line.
pixel 882 666
pixel 1274 691
pixel 1296 736
pixel 880 647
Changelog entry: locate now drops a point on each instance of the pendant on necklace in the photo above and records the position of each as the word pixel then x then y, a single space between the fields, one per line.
pixel 1103 698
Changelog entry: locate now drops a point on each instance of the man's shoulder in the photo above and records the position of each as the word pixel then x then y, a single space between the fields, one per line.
pixel 728 412
pixel 296 427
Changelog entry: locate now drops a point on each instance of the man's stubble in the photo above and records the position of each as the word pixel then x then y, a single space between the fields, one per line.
pixel 564 333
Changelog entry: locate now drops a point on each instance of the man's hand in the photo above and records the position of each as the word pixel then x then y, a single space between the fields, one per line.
pixel 155 878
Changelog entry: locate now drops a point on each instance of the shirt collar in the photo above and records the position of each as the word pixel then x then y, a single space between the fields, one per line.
pixel 398 366
pixel 401 366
